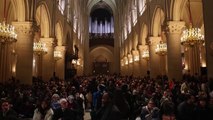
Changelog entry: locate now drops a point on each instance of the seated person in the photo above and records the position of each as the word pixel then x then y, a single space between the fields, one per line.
pixel 150 111
pixel 7 113
pixel 43 111
pixel 64 113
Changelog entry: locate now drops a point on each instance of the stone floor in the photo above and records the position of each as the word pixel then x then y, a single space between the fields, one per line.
pixel 87 116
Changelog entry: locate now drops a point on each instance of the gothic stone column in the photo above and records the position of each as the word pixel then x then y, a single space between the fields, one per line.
pixel 130 65
pixel 154 58
pixel 174 49
pixel 208 18
pixel 143 63
pixel 60 64
pixel 24 47
pixel 136 63
pixel 47 59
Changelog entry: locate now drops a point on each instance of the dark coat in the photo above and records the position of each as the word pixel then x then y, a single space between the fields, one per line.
pixel 10 115
pixel 66 114
pixel 109 112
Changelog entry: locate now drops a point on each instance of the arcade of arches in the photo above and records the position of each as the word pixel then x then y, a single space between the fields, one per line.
pixel 104 37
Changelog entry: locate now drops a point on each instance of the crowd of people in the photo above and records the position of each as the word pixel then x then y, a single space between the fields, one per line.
pixel 109 97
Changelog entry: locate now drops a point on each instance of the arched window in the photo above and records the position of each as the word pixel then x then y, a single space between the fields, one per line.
pixel 75 20
pixel 125 32
pixel 129 22
pixel 142 6
pixel 68 11
pixel 134 12
pixel 79 31
pixel 61 6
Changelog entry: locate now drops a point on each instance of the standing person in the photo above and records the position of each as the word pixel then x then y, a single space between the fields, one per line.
pixel 43 111
pixel 186 109
pixel 7 113
pixel 108 110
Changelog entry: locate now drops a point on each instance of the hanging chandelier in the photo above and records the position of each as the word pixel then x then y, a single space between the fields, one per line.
pixel 192 36
pixel 161 49
pixel 7 31
pixel 145 55
pixel 57 55
pixel 39 48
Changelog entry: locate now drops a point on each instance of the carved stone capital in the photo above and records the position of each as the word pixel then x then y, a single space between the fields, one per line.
pixel 154 40
pixel 135 52
pixel 129 56
pixel 60 48
pixel 175 26
pixel 141 48
pixel 48 41
pixel 23 27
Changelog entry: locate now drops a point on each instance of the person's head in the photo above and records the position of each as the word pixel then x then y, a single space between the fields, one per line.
pixel 190 98
pixel 70 98
pixel 106 98
pixel 202 102
pixel 151 104
pixel 101 87
pixel 45 104
pixel 5 105
pixel 63 103
pixel 55 97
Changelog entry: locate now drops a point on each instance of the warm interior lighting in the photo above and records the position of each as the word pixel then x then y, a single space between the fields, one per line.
pixel 161 49
pixel 74 61
pixel 39 48
pixel 57 55
pixel 7 33
pixel 130 60
pixel 122 62
pixel 192 36
pixel 126 61
pixel 145 55
pixel 203 64
pixel 136 58
pixel 78 62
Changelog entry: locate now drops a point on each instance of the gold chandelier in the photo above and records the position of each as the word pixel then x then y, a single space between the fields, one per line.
pixel 192 36
pixel 161 49
pixel 7 31
pixel 57 55
pixel 39 48
pixel 145 55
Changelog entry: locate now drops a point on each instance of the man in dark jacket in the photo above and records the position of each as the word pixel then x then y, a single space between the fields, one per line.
pixel 7 113
pixel 186 109
pixel 108 110
pixel 64 113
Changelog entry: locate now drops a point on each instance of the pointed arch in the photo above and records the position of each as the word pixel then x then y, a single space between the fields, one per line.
pixel 20 11
pixel 59 33
pixel 103 52
pixel 177 9
pixel 111 3
pixel 43 20
pixel 144 34
pixel 135 41
pixel 157 21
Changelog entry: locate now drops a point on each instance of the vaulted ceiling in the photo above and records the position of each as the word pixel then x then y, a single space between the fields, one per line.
pixel 111 3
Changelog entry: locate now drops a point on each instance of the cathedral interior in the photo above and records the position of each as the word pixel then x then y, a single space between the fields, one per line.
pixel 113 59
pixel 63 38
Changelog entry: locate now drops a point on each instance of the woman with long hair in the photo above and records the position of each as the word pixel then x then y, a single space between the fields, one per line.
pixel 43 111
